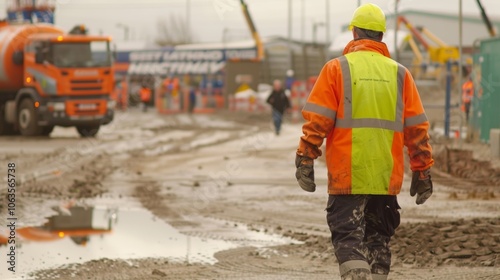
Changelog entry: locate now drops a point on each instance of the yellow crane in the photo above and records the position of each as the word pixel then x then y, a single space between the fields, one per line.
pixel 253 30
pixel 436 55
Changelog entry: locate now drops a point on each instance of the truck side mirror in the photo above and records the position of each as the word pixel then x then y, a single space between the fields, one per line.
pixel 39 58
pixel 18 57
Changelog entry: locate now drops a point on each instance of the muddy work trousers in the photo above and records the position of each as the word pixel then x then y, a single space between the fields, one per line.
pixel 361 228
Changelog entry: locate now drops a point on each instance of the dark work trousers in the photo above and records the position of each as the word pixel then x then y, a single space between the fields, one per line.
pixel 277 119
pixel 361 228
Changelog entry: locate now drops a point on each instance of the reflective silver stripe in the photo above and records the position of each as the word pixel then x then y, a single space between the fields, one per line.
pixel 348 122
pixel 374 123
pixel 379 277
pixel 346 74
pixel 418 119
pixel 400 103
pixel 349 265
pixel 326 112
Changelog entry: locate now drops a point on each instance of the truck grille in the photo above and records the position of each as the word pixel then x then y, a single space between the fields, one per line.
pixel 86 108
pixel 86 85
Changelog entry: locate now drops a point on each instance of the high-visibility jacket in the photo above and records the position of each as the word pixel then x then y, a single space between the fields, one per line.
pixel 145 94
pixel 368 108
pixel 467 91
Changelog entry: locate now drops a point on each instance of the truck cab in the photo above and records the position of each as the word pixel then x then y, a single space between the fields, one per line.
pixel 50 78
pixel 69 79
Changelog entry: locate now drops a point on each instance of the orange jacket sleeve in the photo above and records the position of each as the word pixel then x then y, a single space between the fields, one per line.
pixel 416 137
pixel 320 110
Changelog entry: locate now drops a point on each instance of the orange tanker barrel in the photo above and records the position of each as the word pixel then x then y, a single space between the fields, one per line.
pixel 13 38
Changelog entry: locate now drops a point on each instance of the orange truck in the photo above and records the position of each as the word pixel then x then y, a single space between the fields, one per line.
pixel 52 78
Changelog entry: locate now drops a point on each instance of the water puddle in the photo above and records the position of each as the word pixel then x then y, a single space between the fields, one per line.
pixel 80 234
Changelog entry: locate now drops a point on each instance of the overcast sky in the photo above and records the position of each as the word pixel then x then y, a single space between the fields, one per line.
pixel 209 18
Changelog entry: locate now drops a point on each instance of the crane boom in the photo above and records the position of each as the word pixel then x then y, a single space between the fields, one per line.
pixel 253 30
pixel 486 20
pixel 414 31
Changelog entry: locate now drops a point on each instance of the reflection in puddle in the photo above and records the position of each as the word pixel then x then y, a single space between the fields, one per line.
pixel 79 234
pixel 84 234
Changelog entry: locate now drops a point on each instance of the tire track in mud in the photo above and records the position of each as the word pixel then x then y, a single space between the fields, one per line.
pixel 271 263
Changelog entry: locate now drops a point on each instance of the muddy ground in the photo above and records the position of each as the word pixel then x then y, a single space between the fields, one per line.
pixel 224 177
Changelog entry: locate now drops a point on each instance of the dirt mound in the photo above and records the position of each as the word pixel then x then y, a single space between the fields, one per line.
pixel 460 163
pixel 463 243
pixel 470 243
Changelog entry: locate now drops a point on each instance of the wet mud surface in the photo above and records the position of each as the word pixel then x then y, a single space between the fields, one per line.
pixel 221 190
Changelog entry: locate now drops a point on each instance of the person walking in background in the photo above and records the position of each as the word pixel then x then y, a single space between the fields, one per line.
pixel 145 95
pixel 279 103
pixel 467 95
pixel 368 108
pixel 192 99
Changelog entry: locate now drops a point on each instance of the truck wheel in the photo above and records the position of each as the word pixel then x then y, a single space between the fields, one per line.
pixel 88 131
pixel 47 130
pixel 27 119
pixel 5 127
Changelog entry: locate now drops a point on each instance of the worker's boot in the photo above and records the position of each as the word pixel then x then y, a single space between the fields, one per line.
pixel 357 274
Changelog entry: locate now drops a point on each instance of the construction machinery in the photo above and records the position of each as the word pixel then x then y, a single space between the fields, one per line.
pixel 52 78
pixel 486 19
pixel 242 75
pixel 253 30
pixel 429 59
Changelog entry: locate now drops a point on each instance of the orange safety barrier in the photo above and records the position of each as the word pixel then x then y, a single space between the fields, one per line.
pixel 168 103
pixel 204 103
pixel 120 95
pixel 247 104
pixel 298 98
pixel 213 101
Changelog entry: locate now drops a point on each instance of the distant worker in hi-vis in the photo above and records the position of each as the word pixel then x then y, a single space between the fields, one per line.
pixel 145 95
pixel 368 108
pixel 467 95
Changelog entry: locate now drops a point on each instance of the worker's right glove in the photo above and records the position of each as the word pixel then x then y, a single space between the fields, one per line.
pixel 421 185
pixel 305 173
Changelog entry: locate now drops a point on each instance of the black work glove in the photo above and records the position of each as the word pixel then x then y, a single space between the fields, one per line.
pixel 305 173
pixel 421 185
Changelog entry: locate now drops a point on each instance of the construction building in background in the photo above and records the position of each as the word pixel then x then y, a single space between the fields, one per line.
pixel 214 75
pixel 217 71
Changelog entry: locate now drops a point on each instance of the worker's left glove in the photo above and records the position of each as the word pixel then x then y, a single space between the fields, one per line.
pixel 421 185
pixel 305 173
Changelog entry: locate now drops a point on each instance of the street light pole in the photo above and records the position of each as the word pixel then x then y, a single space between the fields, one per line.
pixel 315 28
pixel 188 19
pixel 327 22
pixel 290 20
pixel 396 51
pixel 302 21
pixel 126 29
pixel 460 46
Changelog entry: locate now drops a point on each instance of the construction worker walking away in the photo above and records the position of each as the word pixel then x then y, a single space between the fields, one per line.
pixel 368 108
pixel 467 95
pixel 145 95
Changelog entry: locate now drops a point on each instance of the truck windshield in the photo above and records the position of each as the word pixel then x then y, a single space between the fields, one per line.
pixel 87 54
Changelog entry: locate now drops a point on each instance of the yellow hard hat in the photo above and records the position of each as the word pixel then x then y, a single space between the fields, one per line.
pixel 368 16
